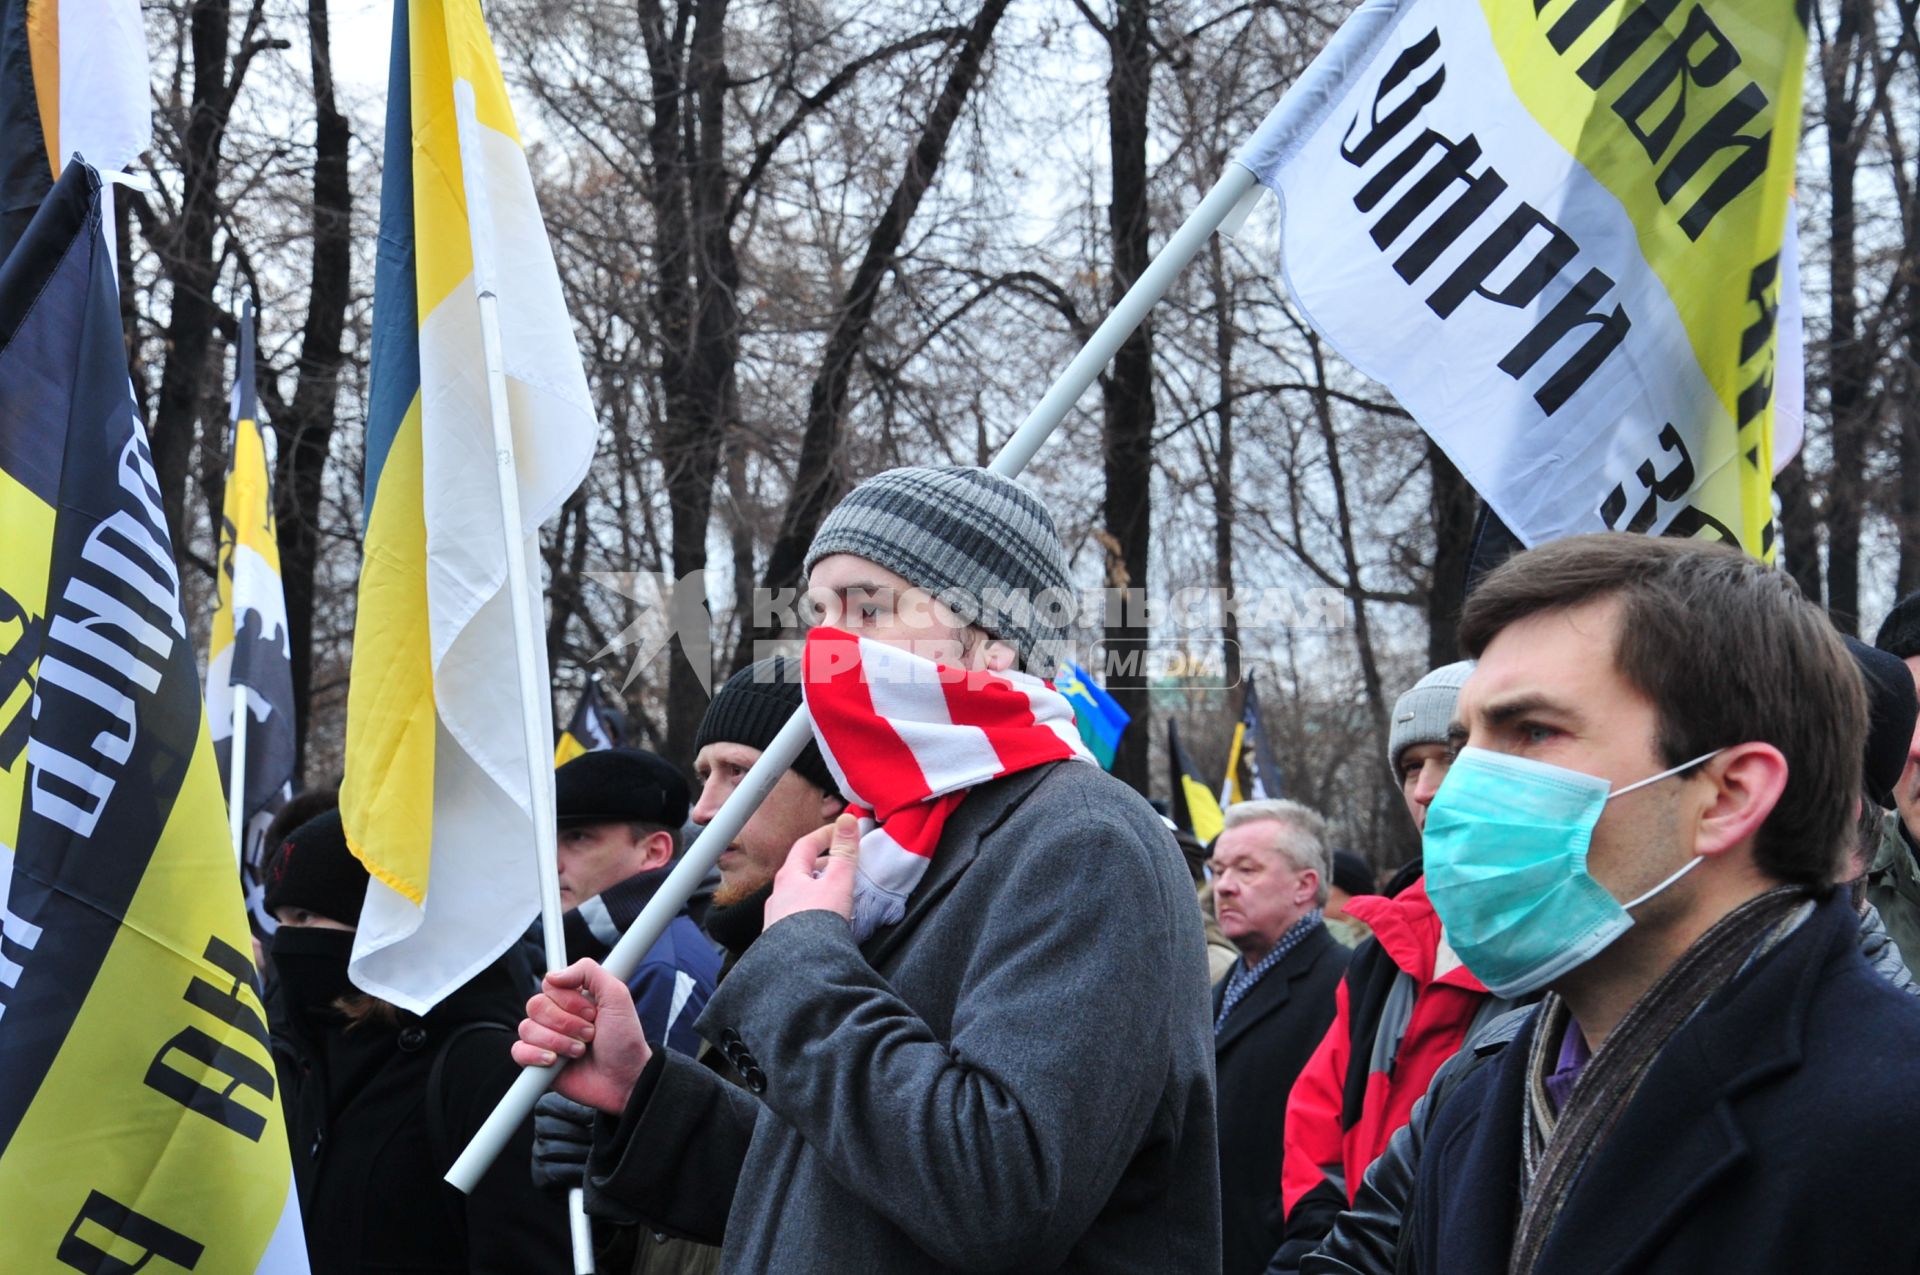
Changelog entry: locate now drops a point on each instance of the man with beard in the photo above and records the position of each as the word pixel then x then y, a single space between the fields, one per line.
pixel 740 722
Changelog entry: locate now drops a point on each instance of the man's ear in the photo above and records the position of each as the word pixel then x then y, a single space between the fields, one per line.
pixel 831 804
pixel 659 850
pixel 1000 657
pixel 1747 781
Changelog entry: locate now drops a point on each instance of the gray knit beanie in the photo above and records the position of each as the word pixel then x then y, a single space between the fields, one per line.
pixel 1423 713
pixel 977 541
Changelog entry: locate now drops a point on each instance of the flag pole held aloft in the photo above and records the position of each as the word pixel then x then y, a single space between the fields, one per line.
pixel 1235 184
pixel 528 661
pixel 793 738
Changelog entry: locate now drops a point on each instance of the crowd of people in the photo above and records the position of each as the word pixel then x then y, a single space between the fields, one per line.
pixel 1642 1004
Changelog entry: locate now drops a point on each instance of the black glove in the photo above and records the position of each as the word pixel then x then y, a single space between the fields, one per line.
pixel 562 1136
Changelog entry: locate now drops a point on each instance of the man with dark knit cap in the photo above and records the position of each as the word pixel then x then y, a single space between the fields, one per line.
pixel 742 720
pixel 617 810
pixel 975 1025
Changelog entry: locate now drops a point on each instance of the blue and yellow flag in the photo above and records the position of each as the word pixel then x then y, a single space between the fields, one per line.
pixel 249 655
pixel 139 1117
pixel 1098 715
pixel 437 799
pixel 1558 231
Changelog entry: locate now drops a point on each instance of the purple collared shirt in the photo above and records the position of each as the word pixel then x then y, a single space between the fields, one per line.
pixel 1566 1069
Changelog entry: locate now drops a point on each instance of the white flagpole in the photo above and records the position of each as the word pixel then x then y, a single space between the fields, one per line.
pixel 532 683
pixel 794 736
pixel 237 767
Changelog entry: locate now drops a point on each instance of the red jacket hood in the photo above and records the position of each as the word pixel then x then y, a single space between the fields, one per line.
pixel 1409 932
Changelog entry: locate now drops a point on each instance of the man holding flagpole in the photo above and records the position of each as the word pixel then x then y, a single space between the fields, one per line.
pixel 975 1026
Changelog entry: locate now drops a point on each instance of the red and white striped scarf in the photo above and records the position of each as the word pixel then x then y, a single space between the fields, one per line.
pixel 905 737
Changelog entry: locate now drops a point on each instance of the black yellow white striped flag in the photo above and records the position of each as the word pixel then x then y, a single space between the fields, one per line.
pixel 139 1118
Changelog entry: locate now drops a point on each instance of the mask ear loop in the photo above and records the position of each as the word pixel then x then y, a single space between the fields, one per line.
pixel 1685 868
pixel 1691 863
pixel 1654 779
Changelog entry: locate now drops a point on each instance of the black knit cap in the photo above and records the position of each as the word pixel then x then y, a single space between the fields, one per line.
pixel 1899 634
pixel 1891 710
pixel 314 870
pixel 1351 873
pixel 752 707
pixel 620 785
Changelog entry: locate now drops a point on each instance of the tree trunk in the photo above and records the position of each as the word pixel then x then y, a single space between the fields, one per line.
pixel 815 483
pixel 189 265
pixel 1848 359
pixel 305 425
pixel 1453 515
pixel 1800 530
pixel 1127 392
pixel 1223 511
pixel 1349 556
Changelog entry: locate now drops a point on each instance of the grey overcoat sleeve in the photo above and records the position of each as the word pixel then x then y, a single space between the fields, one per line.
pixel 672 1159
pixel 992 1140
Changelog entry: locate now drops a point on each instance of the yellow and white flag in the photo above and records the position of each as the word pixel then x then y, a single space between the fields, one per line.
pixel 140 1118
pixel 436 799
pixel 73 80
pixel 1557 230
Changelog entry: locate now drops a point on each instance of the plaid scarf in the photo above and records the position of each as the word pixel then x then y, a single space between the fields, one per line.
pixel 906 738
pixel 1558 1143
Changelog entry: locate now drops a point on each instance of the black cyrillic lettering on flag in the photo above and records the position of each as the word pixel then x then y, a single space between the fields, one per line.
pixel 1670 487
pixel 1455 164
pixel 1622 43
pixel 1571 313
pixel 1701 57
pixel 1766 297
pixel 1471 277
pixel 102 1220
pixel 1381 131
pixel 1756 339
pixel 225 1004
pixel 119 698
pixel 1721 133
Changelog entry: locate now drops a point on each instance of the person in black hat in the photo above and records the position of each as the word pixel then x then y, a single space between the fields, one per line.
pixel 741 721
pixel 617 811
pixel 1352 878
pixel 380 1101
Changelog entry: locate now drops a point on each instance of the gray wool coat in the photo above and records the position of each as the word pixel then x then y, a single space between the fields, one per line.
pixel 1016 1077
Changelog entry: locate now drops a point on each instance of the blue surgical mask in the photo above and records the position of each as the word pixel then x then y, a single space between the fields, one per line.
pixel 1506 844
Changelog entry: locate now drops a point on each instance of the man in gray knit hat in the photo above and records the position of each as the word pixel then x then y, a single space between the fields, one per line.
pixel 1014 1074
pixel 1417 748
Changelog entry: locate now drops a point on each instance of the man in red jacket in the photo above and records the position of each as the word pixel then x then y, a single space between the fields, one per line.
pixel 1407 1004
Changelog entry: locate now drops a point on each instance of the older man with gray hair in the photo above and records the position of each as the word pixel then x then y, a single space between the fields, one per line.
pixel 1271 871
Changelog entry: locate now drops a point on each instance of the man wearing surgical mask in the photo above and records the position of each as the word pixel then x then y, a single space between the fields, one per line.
pixel 1654 790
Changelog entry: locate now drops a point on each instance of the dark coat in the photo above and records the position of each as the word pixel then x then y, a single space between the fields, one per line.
pixel 1774 1133
pixel 1264 1043
pixel 1016 1076
pixel 369 1150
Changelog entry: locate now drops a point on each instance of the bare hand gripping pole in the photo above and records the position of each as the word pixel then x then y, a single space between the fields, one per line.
pixel 1237 184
